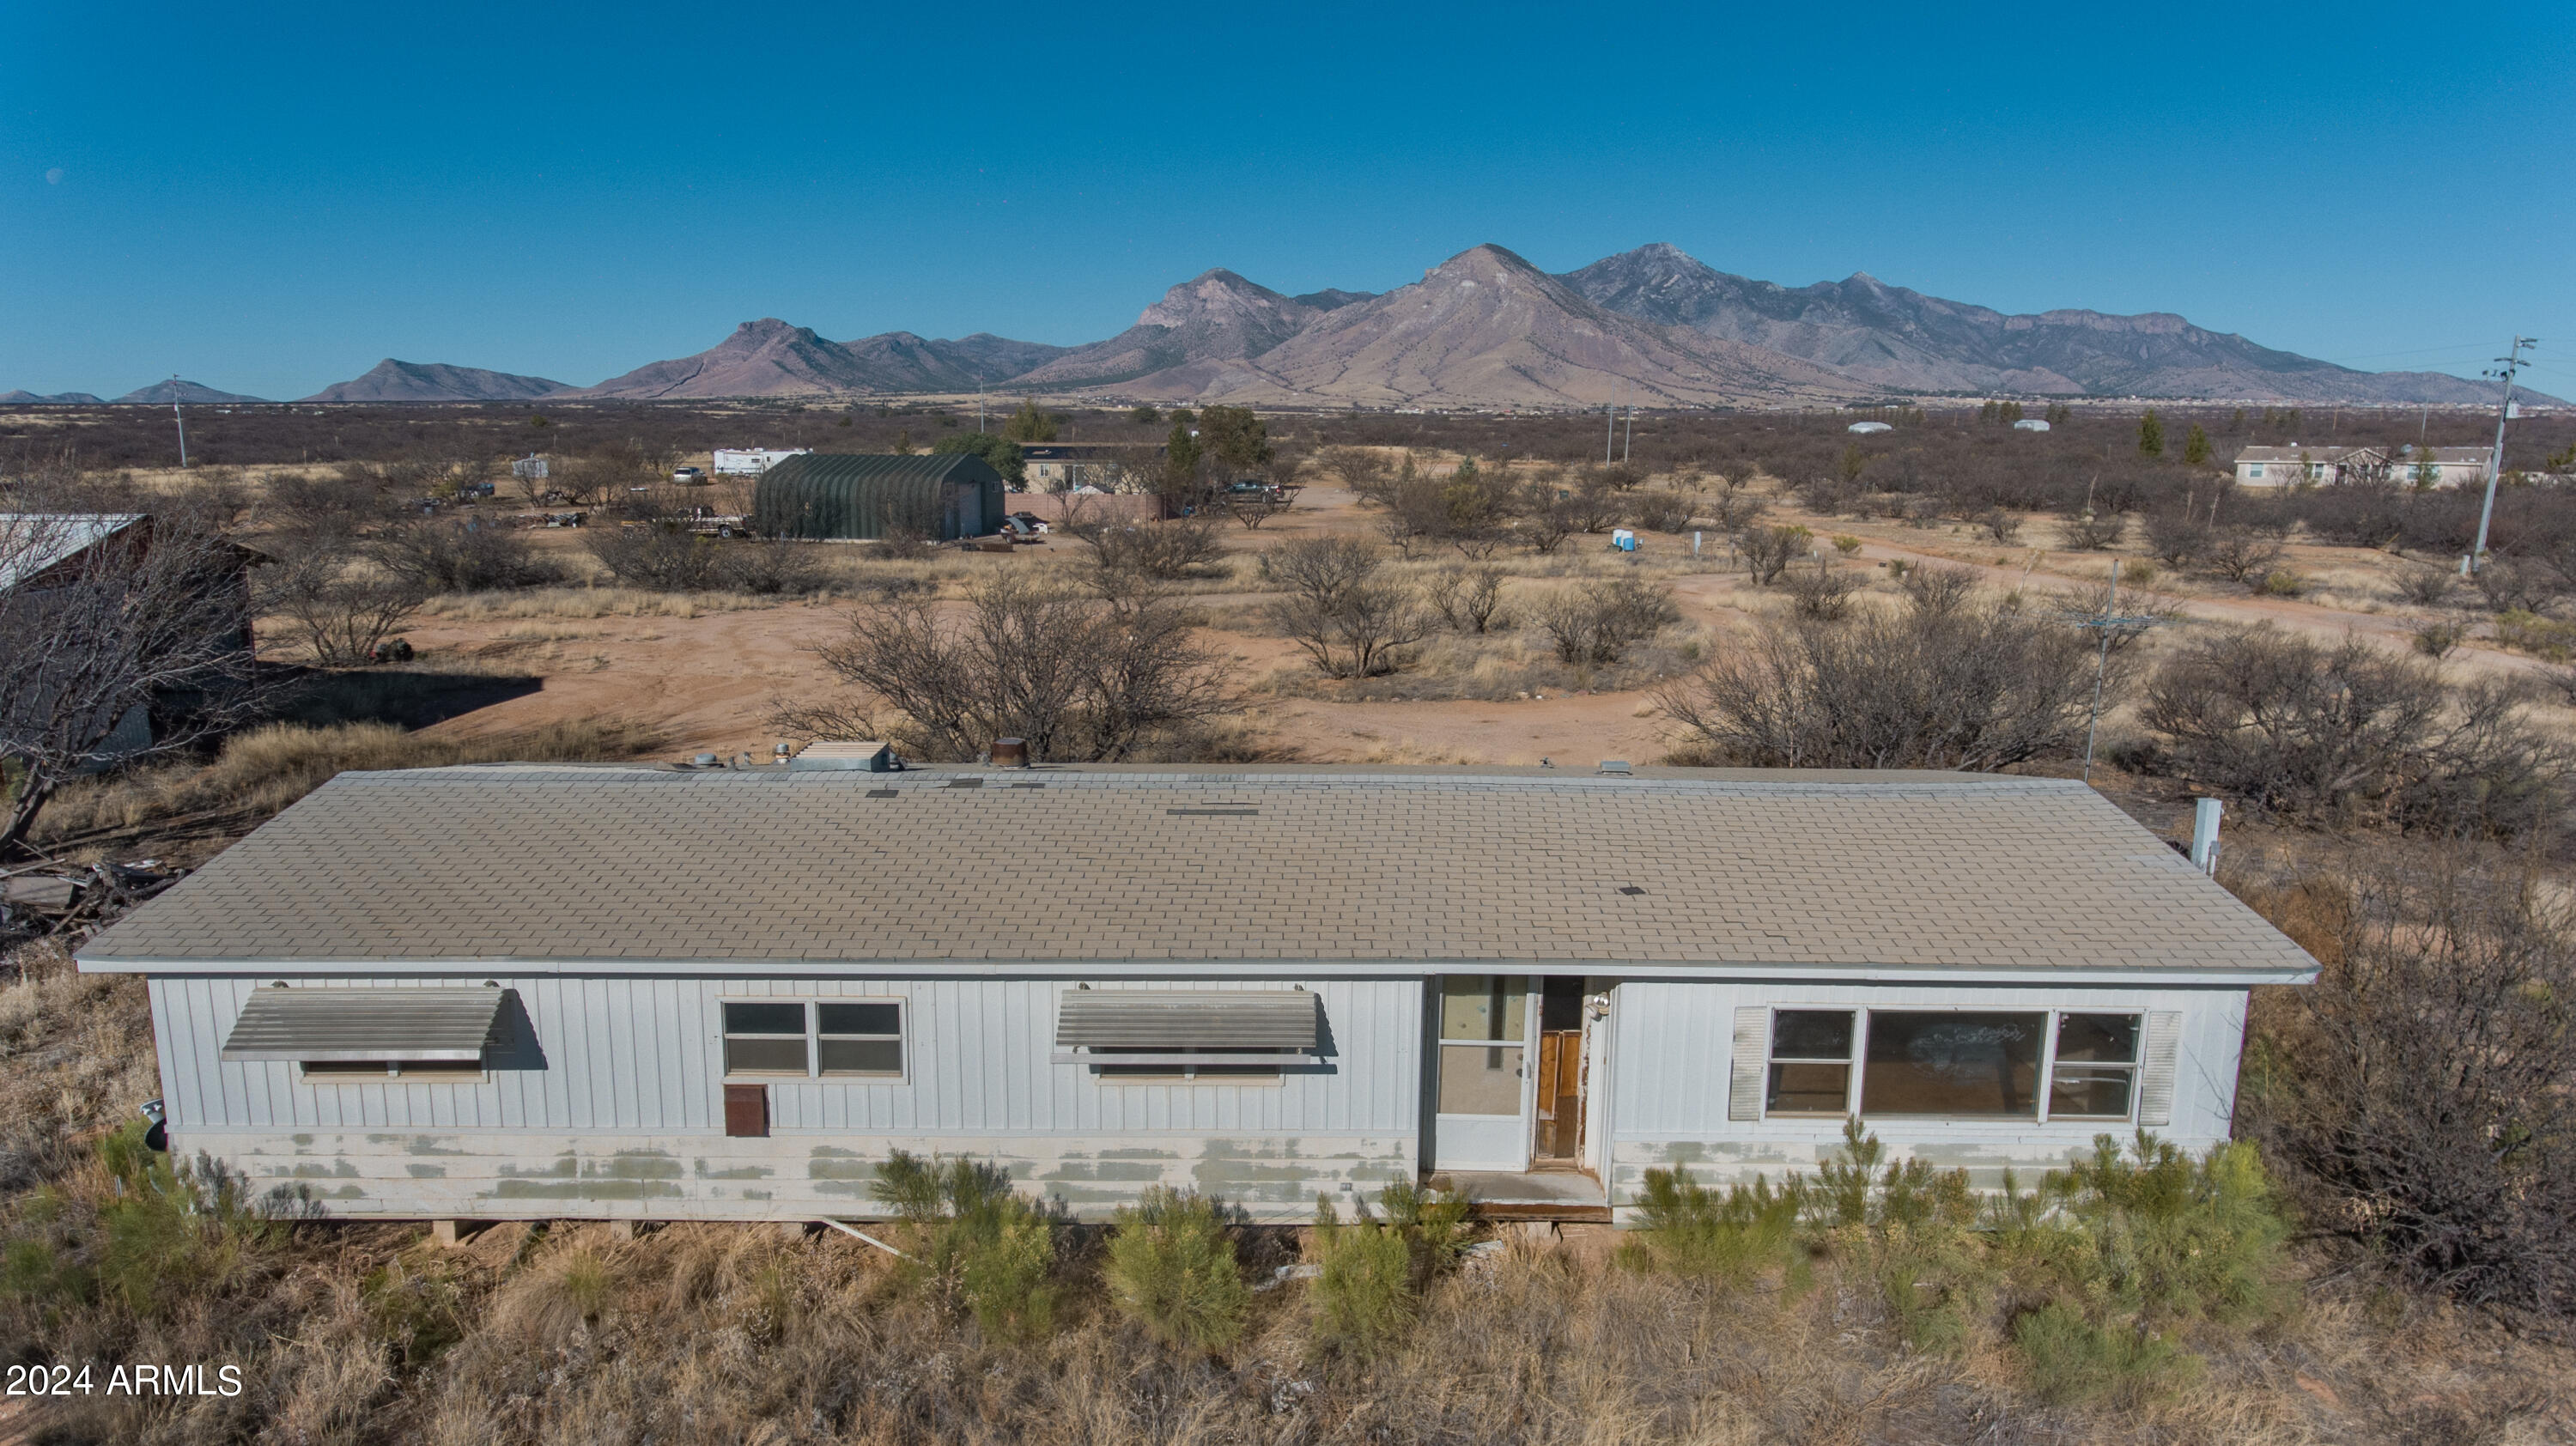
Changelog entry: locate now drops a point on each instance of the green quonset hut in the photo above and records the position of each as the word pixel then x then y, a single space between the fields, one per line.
pixel 849 495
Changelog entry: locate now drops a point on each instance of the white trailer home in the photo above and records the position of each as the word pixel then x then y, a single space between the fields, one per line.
pixel 624 991
pixel 752 461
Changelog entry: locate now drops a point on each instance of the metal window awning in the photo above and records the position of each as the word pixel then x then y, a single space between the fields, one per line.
pixel 353 1025
pixel 1187 1026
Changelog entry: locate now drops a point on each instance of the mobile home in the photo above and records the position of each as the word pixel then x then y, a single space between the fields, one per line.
pixel 625 991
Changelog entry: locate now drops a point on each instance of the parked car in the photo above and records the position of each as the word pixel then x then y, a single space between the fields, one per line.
pixel 1021 531
pixel 1031 521
pixel 688 476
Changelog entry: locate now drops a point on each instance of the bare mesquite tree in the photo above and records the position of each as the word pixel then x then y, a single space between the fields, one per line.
pixel 2353 733
pixel 1950 680
pixel 105 622
pixel 1598 621
pixel 1352 622
pixel 1079 675
pixel 2423 1088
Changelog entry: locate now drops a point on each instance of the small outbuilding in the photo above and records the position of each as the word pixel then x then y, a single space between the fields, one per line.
pixel 1866 428
pixel 828 495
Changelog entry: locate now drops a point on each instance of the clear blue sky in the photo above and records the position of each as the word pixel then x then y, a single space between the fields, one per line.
pixel 269 198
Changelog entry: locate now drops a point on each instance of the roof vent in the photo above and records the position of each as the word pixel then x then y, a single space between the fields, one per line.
pixel 872 757
pixel 1010 753
pixel 1631 890
pixel 1617 767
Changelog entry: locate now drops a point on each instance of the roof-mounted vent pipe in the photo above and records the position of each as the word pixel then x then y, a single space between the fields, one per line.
pixel 2204 834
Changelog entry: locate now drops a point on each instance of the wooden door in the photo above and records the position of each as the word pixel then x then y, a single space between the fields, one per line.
pixel 1560 1095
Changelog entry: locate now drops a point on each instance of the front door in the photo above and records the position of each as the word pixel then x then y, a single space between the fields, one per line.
pixel 1559 1104
pixel 1479 1079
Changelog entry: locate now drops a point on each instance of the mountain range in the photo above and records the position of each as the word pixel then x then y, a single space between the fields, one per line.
pixel 1486 328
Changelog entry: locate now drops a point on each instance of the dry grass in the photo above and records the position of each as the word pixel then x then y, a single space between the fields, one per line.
pixel 265 769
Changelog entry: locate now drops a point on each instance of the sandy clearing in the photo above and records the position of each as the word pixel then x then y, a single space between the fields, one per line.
pixel 711 680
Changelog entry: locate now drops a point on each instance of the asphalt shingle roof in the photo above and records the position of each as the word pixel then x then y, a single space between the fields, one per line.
pixel 1897 870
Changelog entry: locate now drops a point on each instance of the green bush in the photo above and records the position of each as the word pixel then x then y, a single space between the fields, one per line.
pixel 1171 1269
pixel 171 1233
pixel 2073 1361
pixel 978 1241
pixel 1363 1296
pixel 2109 1261
pixel 1433 1225
pixel 1692 1230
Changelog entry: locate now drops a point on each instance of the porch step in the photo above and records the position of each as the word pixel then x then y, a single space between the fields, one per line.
pixel 1538 1195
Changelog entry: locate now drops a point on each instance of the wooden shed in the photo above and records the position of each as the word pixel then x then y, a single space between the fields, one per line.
pixel 828 495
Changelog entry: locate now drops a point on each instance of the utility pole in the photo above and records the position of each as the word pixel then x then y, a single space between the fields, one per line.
pixel 1628 444
pixel 1610 433
pixel 2511 363
pixel 181 420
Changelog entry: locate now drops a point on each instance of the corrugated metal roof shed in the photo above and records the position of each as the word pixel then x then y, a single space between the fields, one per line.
pixel 858 495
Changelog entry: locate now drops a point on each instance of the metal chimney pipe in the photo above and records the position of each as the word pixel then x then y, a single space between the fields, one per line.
pixel 2204 834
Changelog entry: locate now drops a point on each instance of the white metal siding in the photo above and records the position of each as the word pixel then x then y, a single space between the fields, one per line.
pixel 633 1068
pixel 1676 1064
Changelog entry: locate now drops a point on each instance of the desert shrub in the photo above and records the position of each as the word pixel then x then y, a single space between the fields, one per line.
pixel 1171 1269
pixel 1432 1223
pixel 1598 621
pixel 659 559
pixel 2421 1092
pixel 1822 594
pixel 2526 585
pixel 1077 675
pixel 980 1243
pixel 2439 640
pixel 1768 551
pixel 2426 587
pixel 767 568
pixel 171 1232
pixel 1967 684
pixel 2073 1361
pixel 2139 573
pixel 2175 538
pixel 2530 633
pixel 1182 547
pixel 1660 511
pixel 1468 599
pixel 2086 530
pixel 1349 620
pixel 442 556
pixel 1847 545
pixel 2281 582
pixel 1999 525
pixel 1736 510
pixel 2352 733
pixel 2241 554
pixel 2356 516
pixel 1939 590
pixel 261 770
pixel 1727 1238
pixel 340 612
pixel 1363 1294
